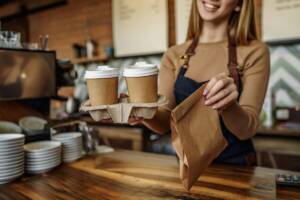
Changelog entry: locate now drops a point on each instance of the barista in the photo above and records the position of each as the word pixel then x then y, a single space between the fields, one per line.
pixel 222 50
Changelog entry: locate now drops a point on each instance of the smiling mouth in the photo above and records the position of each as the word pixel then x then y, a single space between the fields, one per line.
pixel 210 7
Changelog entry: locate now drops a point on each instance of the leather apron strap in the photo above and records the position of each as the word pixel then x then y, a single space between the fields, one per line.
pixel 232 62
pixel 189 52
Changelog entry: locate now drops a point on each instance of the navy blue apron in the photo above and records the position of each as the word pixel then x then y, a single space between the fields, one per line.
pixel 240 152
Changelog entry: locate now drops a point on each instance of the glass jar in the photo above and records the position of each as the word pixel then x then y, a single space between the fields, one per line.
pixel 10 39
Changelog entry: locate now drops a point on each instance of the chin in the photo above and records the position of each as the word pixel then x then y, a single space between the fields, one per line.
pixel 209 12
pixel 211 18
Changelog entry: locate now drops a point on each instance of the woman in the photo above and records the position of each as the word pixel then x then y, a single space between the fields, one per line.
pixel 222 50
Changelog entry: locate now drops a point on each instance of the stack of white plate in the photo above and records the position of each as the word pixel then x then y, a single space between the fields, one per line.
pixel 72 145
pixel 9 127
pixel 11 157
pixel 42 156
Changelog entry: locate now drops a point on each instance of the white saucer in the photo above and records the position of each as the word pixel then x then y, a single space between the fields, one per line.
pixel 11 171
pixel 9 138
pixel 41 167
pixel 42 146
pixel 67 136
pixel 11 159
pixel 71 156
pixel 41 171
pixel 37 162
pixel 12 152
pixel 12 163
pixel 11 155
pixel 11 145
pixel 10 178
pixel 71 159
pixel 9 127
pixel 32 123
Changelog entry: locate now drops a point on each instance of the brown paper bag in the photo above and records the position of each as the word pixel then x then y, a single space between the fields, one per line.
pixel 196 136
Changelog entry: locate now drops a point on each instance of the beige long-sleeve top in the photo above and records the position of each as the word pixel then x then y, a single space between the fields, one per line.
pixel 241 118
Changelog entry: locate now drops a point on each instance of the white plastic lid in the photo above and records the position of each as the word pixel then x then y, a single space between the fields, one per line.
pixel 102 72
pixel 140 69
pixel 142 63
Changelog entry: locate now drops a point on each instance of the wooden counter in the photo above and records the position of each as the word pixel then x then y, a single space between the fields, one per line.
pixel 137 175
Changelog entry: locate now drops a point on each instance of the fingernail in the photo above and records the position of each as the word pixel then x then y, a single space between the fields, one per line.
pixel 206 102
pixel 204 92
pixel 214 107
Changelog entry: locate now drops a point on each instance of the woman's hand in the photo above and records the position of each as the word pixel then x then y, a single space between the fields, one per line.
pixel 135 121
pixel 220 92
pixel 107 121
pixel 131 121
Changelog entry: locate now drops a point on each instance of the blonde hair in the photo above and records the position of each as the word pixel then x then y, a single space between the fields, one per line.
pixel 243 25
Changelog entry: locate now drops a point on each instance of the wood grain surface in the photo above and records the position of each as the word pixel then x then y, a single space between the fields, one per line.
pixel 138 175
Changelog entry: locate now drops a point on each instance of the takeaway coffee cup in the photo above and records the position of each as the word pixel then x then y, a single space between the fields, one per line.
pixel 102 85
pixel 141 81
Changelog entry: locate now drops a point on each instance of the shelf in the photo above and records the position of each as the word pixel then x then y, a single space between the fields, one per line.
pixel 90 60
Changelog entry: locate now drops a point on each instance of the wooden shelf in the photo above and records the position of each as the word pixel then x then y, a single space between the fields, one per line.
pixel 90 60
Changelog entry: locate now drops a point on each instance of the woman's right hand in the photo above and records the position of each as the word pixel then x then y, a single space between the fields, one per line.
pixel 133 121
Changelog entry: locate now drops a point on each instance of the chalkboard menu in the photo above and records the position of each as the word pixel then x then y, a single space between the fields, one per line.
pixel 281 20
pixel 140 27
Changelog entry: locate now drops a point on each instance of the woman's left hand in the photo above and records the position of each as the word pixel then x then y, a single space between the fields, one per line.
pixel 220 92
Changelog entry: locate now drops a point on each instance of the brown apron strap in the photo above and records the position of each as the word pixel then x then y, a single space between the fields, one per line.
pixel 189 52
pixel 232 64
pixel 192 47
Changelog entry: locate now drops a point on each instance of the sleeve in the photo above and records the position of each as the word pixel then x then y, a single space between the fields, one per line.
pixel 242 118
pixel 167 78
pixel 161 121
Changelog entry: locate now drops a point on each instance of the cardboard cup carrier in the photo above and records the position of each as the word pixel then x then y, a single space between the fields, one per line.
pixel 143 99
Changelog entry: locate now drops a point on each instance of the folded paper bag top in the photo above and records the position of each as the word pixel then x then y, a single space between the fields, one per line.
pixel 196 136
